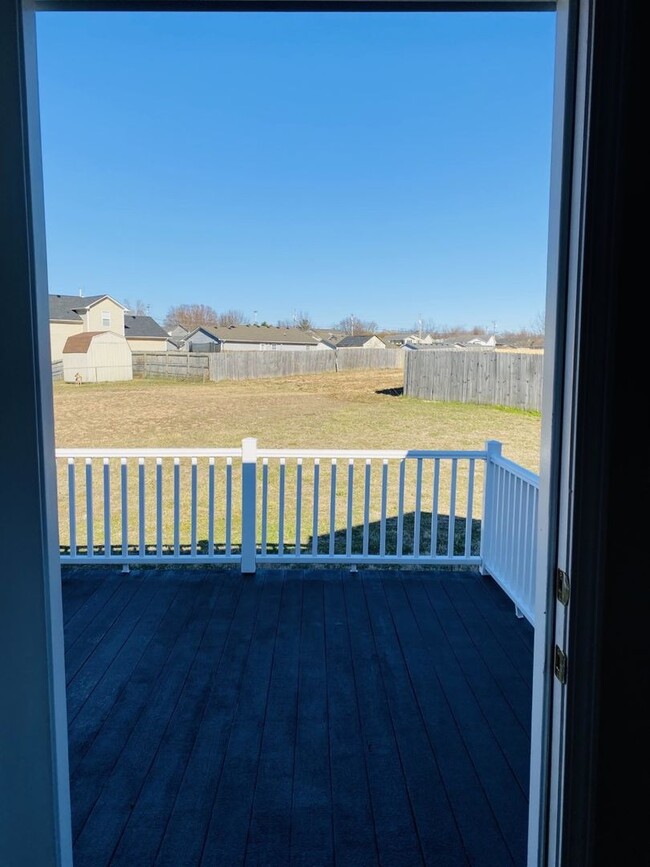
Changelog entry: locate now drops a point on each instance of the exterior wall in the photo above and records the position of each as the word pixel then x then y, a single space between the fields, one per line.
pixel 256 347
pixel 148 344
pixel 108 359
pixel 93 318
pixel 374 343
pixel 59 333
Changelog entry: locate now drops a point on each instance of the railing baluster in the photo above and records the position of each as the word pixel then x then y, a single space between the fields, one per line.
pixel 348 528
pixel 211 507
pixel 469 515
pixel 281 508
pixel 400 509
pixel 366 508
pixel 452 508
pixel 333 508
pixel 228 506
pixel 265 504
pixel 159 507
pixel 418 509
pixel 508 515
pixel 314 522
pixel 177 506
pixel 141 510
pixel 435 499
pixel 107 508
pixel 193 506
pixel 298 505
pixel 384 502
pixel 90 520
pixel 72 508
pixel 125 505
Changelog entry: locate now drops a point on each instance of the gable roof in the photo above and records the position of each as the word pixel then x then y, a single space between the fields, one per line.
pixel 143 326
pixel 356 340
pixel 81 342
pixel 64 308
pixel 257 334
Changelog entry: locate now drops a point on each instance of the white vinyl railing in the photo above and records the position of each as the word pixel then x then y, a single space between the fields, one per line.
pixel 508 534
pixel 249 505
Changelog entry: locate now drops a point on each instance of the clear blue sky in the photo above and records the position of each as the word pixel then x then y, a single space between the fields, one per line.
pixel 390 166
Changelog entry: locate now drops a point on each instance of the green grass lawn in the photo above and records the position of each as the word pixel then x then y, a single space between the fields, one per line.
pixel 359 409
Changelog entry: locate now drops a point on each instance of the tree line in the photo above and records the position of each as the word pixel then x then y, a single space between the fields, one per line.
pixel 191 316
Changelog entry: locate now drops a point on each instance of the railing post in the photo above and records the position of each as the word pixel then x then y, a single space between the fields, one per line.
pixel 248 505
pixel 493 450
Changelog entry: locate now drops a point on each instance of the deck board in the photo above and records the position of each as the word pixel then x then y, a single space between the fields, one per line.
pixel 296 718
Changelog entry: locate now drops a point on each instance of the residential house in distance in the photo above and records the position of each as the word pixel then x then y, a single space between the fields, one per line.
pixel 361 341
pixel 407 339
pixel 144 334
pixel 178 334
pixel 250 337
pixel 74 314
pixel 77 314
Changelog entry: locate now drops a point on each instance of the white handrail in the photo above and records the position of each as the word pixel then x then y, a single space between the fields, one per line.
pixel 285 505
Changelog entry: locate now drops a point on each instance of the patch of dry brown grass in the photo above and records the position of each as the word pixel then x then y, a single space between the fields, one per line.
pixel 344 410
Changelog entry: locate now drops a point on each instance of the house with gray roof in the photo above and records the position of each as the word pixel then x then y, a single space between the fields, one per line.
pixel 144 334
pixel 251 337
pixel 76 314
pixel 361 341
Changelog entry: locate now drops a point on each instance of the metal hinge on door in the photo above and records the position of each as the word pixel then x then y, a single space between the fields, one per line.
pixel 560 664
pixel 562 587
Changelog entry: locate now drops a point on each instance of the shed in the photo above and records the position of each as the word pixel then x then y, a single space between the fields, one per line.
pixel 97 356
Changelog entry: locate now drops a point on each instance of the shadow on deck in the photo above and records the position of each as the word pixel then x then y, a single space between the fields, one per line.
pixel 300 717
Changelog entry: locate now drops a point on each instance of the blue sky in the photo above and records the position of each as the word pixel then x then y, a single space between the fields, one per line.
pixel 390 166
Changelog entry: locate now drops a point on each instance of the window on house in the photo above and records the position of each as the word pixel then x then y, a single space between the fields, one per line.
pixel 106 319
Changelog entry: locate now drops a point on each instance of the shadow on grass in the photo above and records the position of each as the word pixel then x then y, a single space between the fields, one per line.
pixel 398 391
pixel 342 540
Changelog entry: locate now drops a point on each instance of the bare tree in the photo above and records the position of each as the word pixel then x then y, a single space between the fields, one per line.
pixel 140 308
pixel 429 326
pixel 538 325
pixel 191 316
pixel 230 317
pixel 355 325
pixel 300 319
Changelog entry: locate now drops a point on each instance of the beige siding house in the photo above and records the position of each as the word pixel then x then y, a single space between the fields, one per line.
pixel 59 333
pixel 75 314
pixel 97 356
pixel 145 335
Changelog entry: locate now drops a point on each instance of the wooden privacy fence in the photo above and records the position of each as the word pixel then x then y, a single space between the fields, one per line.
pixel 475 376
pixel 251 364
pixel 251 505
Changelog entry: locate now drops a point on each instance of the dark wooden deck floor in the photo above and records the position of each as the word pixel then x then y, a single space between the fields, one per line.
pixel 299 718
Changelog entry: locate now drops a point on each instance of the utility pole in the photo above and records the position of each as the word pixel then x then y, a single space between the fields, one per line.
pixel 254 317
pixel 352 324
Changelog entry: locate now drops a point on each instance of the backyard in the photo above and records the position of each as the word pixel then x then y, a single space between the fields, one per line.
pixel 356 410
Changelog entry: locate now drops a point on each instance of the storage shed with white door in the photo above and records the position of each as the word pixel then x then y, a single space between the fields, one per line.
pixel 97 356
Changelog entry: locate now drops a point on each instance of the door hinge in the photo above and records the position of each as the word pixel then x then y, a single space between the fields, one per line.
pixel 562 587
pixel 560 664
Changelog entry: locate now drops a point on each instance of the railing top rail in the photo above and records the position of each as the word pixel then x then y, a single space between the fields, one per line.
pixel 369 453
pixel 271 453
pixel 517 470
pixel 149 453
